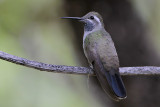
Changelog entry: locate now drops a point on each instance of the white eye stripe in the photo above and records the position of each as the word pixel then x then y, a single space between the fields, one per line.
pixel 97 19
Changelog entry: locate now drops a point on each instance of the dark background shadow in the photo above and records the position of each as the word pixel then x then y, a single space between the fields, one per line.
pixel 130 35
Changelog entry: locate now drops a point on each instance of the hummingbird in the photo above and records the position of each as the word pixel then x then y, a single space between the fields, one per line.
pixel 101 54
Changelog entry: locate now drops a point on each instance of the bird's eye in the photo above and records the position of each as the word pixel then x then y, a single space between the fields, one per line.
pixel 92 17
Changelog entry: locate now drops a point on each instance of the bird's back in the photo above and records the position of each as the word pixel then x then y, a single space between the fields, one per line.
pixel 101 53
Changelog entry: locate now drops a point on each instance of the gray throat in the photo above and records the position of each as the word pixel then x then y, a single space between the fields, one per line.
pixel 88 26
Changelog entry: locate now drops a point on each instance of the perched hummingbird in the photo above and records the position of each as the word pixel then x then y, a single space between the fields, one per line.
pixel 101 54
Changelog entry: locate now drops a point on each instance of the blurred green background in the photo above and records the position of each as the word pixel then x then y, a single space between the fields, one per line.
pixel 33 29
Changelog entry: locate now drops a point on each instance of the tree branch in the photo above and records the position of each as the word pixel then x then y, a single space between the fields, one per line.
pixel 147 70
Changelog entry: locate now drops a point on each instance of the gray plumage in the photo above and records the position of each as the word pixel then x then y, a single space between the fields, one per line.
pixel 102 56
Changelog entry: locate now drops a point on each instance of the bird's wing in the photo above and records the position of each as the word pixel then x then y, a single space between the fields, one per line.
pixel 106 67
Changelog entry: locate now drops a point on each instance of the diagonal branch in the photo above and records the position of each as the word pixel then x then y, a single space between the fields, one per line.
pixel 147 70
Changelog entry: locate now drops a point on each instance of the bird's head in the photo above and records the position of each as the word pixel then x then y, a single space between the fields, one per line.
pixel 92 20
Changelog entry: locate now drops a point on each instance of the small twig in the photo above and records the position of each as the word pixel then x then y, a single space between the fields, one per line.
pixel 147 70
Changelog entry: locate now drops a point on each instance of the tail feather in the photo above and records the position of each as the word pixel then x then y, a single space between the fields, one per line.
pixel 116 83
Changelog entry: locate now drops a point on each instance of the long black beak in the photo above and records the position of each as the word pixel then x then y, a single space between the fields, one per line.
pixel 76 18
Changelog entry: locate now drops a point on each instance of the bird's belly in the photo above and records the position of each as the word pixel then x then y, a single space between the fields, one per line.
pixel 89 52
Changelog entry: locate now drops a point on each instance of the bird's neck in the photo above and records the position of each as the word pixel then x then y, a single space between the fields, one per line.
pixel 88 27
pixel 87 33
